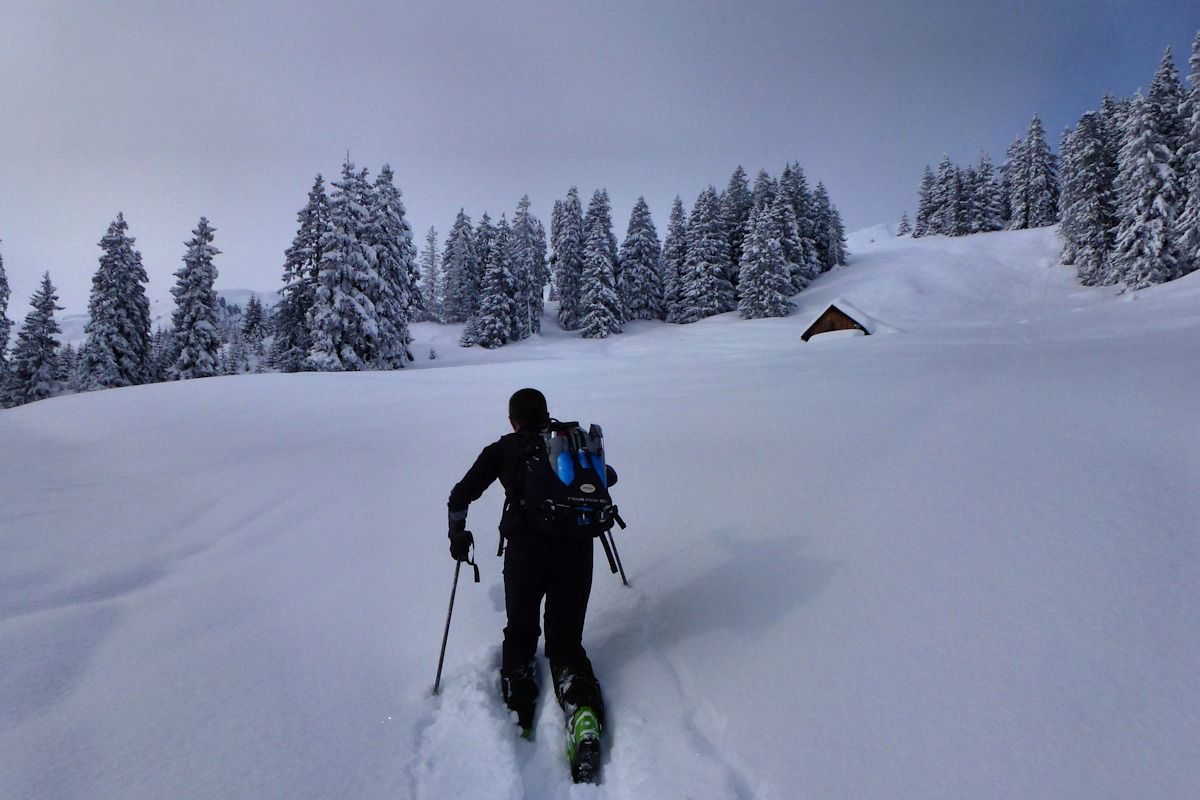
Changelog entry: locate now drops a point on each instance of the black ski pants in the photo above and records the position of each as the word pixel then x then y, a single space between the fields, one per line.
pixel 558 570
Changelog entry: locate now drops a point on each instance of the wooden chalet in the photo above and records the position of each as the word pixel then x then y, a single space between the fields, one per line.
pixel 839 316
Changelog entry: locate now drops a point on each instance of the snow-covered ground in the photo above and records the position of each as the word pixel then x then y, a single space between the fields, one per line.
pixel 955 559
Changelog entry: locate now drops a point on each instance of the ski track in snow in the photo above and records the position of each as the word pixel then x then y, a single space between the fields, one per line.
pixel 468 739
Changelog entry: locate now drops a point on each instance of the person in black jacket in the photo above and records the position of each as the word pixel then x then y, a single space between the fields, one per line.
pixel 536 566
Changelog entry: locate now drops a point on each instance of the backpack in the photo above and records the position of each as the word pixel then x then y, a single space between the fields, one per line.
pixel 564 486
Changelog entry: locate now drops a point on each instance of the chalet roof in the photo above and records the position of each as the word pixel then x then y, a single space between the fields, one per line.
pixel 869 323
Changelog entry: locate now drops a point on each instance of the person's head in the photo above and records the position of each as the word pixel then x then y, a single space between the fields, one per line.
pixel 527 410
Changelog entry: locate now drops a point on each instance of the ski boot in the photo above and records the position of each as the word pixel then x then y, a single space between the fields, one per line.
pixel 520 690
pixel 583 745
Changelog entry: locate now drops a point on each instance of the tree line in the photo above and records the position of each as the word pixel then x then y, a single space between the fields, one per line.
pixel 959 201
pixel 353 282
pixel 747 249
pixel 1125 187
pixel 207 336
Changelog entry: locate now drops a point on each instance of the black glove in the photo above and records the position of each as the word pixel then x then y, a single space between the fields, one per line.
pixel 461 543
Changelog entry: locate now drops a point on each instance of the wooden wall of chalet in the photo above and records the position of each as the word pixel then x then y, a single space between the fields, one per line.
pixel 834 319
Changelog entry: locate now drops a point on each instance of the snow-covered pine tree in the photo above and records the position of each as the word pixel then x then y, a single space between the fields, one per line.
pixel 5 322
pixel 702 281
pixel 838 236
pixel 64 363
pixel 964 180
pixel 1088 200
pixel 33 373
pixel 944 206
pixel 737 201
pixel 905 227
pixel 787 231
pixel 255 328
pixel 484 238
pixel 925 207
pixel 970 217
pixel 162 357
pixel 117 349
pixel 1170 104
pixel 822 228
pixel 393 290
pixel 460 265
pixel 541 258
pixel 302 264
pixel 1030 180
pixel 568 260
pixel 674 256
pixel 764 272
pixel 433 283
pixel 1067 168
pixel 600 308
pixel 1014 181
pixel 1043 177
pixel 485 242
pixel 556 224
pixel 255 321
pixel 1146 250
pixel 521 289
pixel 1115 113
pixel 67 361
pixel 766 189
pixel 641 260
pixel 528 259
pixel 806 264
pixel 831 234
pixel 1169 101
pixel 492 323
pixel 195 322
pixel 235 358
pixel 988 198
pixel 343 321
pixel 1188 222
pixel 966 220
pixel 599 218
pixel 229 317
pixel 981 197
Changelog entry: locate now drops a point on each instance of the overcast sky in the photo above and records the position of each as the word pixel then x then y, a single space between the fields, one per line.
pixel 169 110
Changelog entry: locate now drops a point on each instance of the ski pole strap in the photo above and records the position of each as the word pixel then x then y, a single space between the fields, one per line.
pixel 474 566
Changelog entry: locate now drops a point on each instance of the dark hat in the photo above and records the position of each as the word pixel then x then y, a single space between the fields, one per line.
pixel 527 408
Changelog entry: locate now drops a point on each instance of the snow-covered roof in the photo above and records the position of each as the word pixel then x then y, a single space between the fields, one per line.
pixel 869 323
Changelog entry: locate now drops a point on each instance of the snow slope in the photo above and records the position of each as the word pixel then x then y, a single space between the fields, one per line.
pixel 956 559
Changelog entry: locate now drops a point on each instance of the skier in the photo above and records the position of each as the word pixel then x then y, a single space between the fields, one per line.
pixel 537 566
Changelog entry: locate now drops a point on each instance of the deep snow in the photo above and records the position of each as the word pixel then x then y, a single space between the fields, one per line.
pixel 957 558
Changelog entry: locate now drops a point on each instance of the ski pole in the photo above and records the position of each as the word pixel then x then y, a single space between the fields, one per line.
pixel 612 564
pixel 449 612
pixel 621 524
pixel 608 539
